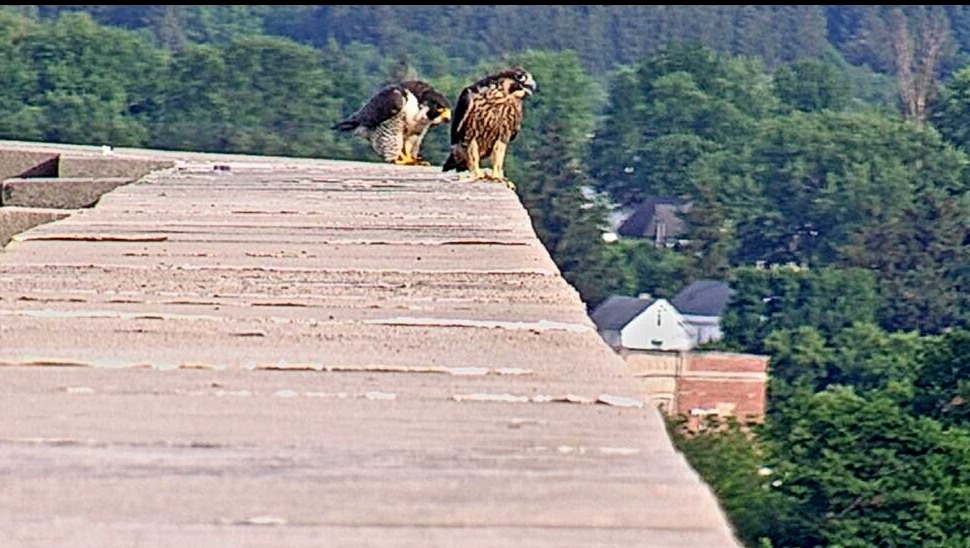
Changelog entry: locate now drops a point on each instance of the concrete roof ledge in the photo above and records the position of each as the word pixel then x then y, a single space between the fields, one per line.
pixel 58 192
pixel 291 352
pixel 14 220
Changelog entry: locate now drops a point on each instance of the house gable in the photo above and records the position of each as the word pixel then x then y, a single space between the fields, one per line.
pixel 658 327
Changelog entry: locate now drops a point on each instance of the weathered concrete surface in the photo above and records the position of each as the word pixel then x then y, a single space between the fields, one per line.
pixel 19 159
pixel 81 165
pixel 301 353
pixel 21 162
pixel 58 192
pixel 14 220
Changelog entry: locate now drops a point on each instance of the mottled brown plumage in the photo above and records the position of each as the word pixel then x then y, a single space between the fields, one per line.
pixel 488 116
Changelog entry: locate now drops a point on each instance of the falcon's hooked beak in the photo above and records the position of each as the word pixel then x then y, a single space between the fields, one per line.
pixel 440 116
pixel 530 86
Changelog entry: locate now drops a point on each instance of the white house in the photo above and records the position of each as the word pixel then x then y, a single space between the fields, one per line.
pixel 642 324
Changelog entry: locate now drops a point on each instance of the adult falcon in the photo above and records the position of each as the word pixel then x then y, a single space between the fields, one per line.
pixel 397 118
pixel 487 118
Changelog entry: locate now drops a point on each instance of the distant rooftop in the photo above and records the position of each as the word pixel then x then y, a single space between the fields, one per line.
pixel 617 311
pixel 657 217
pixel 703 298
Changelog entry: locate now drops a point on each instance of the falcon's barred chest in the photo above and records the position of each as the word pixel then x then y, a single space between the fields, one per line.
pixel 496 116
pixel 387 138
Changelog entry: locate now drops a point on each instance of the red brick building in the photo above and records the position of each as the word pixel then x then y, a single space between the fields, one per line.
pixel 701 384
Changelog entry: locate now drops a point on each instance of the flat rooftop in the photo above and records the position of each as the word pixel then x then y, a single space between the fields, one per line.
pixel 255 351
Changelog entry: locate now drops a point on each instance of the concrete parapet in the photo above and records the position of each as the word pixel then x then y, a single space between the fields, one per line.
pixel 27 163
pixel 59 192
pixel 14 220
pixel 92 166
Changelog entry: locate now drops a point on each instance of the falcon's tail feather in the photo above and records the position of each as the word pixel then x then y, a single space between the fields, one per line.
pixel 456 161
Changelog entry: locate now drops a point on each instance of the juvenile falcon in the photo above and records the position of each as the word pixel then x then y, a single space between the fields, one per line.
pixel 397 118
pixel 488 116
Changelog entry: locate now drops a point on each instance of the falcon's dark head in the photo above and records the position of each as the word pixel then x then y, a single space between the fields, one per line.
pixel 518 81
pixel 439 110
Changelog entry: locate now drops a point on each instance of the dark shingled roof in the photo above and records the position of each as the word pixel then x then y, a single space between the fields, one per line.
pixel 617 311
pixel 703 298
pixel 652 212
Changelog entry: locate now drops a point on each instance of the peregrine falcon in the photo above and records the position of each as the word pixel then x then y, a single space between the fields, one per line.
pixel 488 117
pixel 396 119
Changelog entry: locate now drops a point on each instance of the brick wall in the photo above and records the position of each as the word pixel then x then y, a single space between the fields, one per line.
pixel 727 362
pixel 703 383
pixel 723 384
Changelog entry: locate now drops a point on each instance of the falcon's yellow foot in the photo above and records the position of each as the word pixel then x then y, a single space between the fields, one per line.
pixel 404 160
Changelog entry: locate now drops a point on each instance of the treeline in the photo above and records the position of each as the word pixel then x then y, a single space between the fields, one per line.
pixel 605 36
pixel 73 80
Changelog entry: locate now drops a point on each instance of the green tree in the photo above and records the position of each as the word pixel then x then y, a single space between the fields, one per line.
pixel 800 358
pixel 766 300
pixel 709 239
pixel 943 383
pixel 568 224
pixel 94 84
pixel 812 85
pixel 660 272
pixel 568 97
pixel 676 106
pixel 951 114
pixel 195 112
pixel 861 471
pixel 922 256
pixel 19 119
pixel 259 95
pixel 825 177
pixel 730 460
pixel 869 358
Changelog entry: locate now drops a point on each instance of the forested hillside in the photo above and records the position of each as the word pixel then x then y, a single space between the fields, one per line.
pixel 824 150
